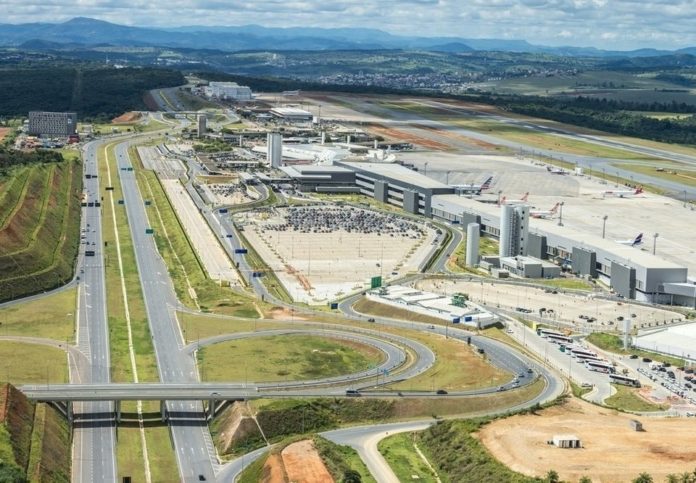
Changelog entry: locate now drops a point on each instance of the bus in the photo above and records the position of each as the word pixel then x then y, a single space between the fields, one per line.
pixel 578 351
pixel 599 366
pixel 625 380
pixel 547 332
pixel 584 358
pixel 559 339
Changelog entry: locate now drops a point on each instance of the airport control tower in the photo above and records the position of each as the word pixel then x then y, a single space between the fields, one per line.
pixel 514 230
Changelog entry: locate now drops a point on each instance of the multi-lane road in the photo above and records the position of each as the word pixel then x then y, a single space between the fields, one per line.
pixel 95 439
pixel 194 448
pixel 94 455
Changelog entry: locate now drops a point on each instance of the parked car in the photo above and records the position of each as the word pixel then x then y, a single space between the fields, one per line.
pixel 441 391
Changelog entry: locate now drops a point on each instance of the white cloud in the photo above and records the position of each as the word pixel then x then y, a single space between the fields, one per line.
pixel 627 23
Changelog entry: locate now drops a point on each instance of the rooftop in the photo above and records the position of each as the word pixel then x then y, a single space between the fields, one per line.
pixel 290 111
pixel 397 172
pixel 578 238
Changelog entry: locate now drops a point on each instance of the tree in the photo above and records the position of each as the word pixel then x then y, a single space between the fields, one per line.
pixel 552 477
pixel 351 476
pixel 643 478
pixel 585 479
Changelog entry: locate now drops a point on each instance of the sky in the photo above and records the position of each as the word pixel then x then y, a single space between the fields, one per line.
pixel 606 24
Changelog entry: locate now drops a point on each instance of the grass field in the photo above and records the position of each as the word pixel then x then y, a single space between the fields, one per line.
pixel 284 357
pixel 369 307
pixel 627 400
pixel 39 227
pixel 567 283
pixel 685 177
pixel 400 452
pixel 457 367
pixel 547 141
pixel 52 317
pixel 457 262
pixel 32 363
pixel 185 269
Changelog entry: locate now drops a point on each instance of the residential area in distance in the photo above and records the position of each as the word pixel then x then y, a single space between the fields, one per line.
pixel 318 254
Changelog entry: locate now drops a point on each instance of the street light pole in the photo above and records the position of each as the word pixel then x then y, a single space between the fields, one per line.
pixel 604 225
pixel 425 170
pixel 655 241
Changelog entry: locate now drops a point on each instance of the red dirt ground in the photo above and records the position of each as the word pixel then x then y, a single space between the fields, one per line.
pixel 126 117
pixel 401 136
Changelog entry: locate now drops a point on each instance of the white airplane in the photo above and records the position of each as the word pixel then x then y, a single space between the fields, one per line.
pixel 545 214
pixel 476 189
pixel 633 242
pixel 505 201
pixel 624 193
pixel 556 170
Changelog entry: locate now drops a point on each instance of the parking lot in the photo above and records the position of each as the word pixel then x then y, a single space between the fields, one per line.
pixel 319 253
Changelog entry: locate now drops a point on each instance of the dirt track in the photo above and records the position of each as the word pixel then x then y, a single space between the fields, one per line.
pixel 612 451
pixel 4 131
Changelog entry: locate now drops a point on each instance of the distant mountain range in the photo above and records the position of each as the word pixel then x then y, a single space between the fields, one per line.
pixel 83 31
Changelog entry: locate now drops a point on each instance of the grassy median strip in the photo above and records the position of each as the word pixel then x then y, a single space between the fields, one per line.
pixel 129 330
pixel 185 268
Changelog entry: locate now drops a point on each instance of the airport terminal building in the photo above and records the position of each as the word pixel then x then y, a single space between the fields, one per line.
pixel 631 272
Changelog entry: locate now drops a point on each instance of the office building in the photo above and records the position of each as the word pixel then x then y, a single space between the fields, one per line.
pixel 52 124
pixel 228 91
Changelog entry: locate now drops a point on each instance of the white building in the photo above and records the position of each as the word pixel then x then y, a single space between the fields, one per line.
pixel 514 230
pixel 227 90
pixel 274 146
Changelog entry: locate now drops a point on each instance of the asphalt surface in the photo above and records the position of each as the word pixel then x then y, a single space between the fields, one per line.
pixel 94 444
pixel 365 439
pixel 194 448
pixel 409 122
pixel 94 436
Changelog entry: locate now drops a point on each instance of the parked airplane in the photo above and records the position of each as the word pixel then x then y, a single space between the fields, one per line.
pixel 505 201
pixel 556 170
pixel 473 188
pixel 624 193
pixel 545 214
pixel 633 241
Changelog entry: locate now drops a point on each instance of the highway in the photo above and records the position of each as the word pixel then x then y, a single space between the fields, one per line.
pixel 94 437
pixel 194 448
pixel 94 455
